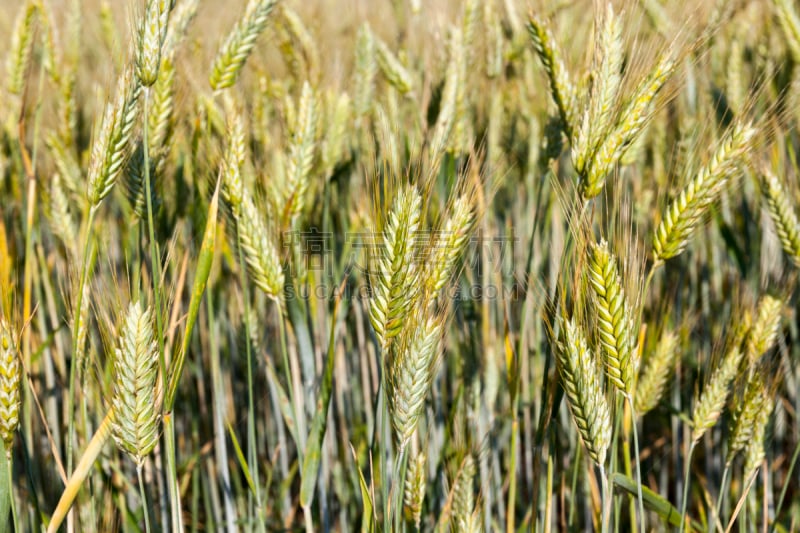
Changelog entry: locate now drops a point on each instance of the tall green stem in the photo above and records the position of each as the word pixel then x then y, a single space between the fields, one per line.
pixel 686 485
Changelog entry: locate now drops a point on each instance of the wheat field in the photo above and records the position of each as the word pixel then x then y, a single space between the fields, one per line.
pixel 459 265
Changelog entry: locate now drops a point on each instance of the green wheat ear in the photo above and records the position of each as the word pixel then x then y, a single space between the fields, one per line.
pixel 135 427
pixel 583 388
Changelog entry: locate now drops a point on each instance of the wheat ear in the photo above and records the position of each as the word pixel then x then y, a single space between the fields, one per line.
pixel 582 386
pixel 782 214
pixel 414 490
pixel 395 273
pixel 764 332
pixel 561 88
pixel 19 55
pixel 410 371
pixel 10 376
pixel 708 407
pixel 110 149
pixel 746 415
pixel 135 426
pixel 301 152
pixel 614 318
pixel 687 210
pixel 240 42
pixel 656 374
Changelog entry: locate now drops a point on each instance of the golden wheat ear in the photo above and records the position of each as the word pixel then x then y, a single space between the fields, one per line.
pixel 10 376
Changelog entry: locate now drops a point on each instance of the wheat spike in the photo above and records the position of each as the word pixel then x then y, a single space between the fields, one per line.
pixel 240 42
pixel 790 24
pixel 409 374
pixel 179 19
pixel 414 490
pixel 654 377
pixel 151 35
pixel 365 69
pixel 162 99
pixel 395 273
pixel 597 119
pixel 755 450
pixel 259 249
pixel 110 149
pixel 782 214
pixel 394 71
pixel 62 223
pixel 708 407
pixel 19 54
pixel 745 416
pixel 135 425
pixel 629 125
pixel 10 376
pixel 582 386
pixel 335 145
pixel 464 496
pixel 235 155
pixel 561 88
pixel 449 244
pixel 764 332
pixel 687 210
pixel 614 318
pixel 301 152
pixel 137 188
